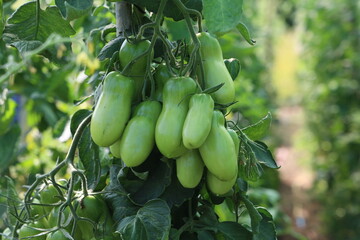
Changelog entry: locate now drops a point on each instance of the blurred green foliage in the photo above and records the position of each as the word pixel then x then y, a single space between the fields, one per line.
pixel 332 100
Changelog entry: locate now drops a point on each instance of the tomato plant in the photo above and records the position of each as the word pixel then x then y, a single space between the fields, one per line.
pixel 151 150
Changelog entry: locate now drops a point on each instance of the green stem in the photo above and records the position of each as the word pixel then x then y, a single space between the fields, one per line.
pixel 68 159
pixel 195 52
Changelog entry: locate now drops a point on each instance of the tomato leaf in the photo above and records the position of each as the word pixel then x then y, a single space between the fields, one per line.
pixel 8 143
pixel 233 231
pixel 77 118
pixel 258 130
pixel 205 235
pixel 29 25
pixel 108 50
pixel 170 10
pixel 72 9
pixel 158 179
pixel 263 154
pixel 7 113
pixel 267 227
pixel 222 16
pixel 253 213
pixel 151 222
pixel 245 33
pixel 175 194
pixel 60 126
pixel 89 157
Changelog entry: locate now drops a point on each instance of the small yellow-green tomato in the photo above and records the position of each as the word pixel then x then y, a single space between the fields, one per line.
pixel 217 186
pixel 189 168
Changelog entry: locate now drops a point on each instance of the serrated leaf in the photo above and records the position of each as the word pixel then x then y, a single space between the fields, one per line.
pixel 89 157
pixel 208 217
pixel 176 30
pixel 30 24
pixel 117 198
pixel 77 118
pixel 175 193
pixel 245 33
pixel 25 46
pixel 8 143
pixel 258 130
pixel 158 179
pixel 233 231
pixel 222 16
pixel 72 9
pixel 170 10
pixel 253 213
pixel 267 226
pixel 263 154
pixel 108 50
pixel 151 222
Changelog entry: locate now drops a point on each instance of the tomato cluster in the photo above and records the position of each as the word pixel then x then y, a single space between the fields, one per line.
pixel 186 126
pixel 51 220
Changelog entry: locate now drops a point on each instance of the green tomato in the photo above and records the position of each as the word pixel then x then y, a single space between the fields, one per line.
pixel 138 138
pixel 161 76
pixel 217 186
pixel 31 230
pixel 58 235
pixel 168 131
pixel 55 214
pixel 189 168
pixel 218 150
pixel 112 110
pixel 49 195
pixel 128 52
pixel 215 69
pixel 198 120
pixel 235 139
pixel 91 207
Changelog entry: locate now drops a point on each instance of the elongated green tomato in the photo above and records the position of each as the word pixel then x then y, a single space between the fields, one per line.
pixel 161 76
pixel 90 207
pixel 138 138
pixel 198 120
pixel 49 195
pixel 189 168
pixel 112 110
pixel 58 235
pixel 217 186
pixel 168 131
pixel 55 214
pixel 218 150
pixel 215 70
pixel 130 51
pixel 224 213
pixel 30 230
pixel 235 139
